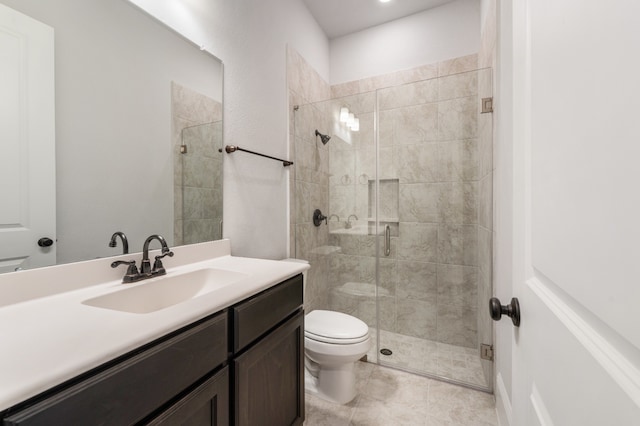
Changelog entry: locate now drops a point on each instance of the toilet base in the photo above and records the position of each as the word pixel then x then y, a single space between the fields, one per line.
pixel 334 383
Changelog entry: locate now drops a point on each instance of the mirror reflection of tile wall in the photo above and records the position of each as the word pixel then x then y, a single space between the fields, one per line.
pixel 197 125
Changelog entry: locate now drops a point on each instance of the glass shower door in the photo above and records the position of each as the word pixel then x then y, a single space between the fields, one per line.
pixel 352 167
pixel 335 177
pixel 433 201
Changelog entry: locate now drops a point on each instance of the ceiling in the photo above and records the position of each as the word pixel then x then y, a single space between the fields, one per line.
pixel 342 17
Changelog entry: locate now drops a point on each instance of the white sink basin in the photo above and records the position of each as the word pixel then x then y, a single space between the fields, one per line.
pixel 162 292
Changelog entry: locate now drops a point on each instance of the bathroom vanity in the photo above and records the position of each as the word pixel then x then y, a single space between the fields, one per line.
pixel 240 363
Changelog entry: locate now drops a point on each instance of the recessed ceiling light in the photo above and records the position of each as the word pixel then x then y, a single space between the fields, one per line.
pixel 385 1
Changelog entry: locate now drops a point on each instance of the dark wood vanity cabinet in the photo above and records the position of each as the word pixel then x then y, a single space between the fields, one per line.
pixel 134 387
pixel 242 366
pixel 268 359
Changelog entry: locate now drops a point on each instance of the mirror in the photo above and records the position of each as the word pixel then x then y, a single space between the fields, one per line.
pixel 131 95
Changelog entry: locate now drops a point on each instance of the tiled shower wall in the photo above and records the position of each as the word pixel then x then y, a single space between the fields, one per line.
pixel 429 171
pixel 197 123
pixel 309 176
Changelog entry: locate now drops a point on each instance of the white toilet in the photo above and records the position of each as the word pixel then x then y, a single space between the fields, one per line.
pixel 333 343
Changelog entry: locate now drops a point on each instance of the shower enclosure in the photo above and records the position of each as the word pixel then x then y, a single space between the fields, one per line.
pixel 408 240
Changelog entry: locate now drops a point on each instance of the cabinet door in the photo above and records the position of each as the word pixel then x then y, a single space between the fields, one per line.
pixel 206 405
pixel 269 378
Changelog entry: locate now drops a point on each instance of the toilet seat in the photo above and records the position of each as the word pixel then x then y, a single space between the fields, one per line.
pixel 335 327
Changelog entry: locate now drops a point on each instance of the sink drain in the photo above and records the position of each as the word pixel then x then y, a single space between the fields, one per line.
pixel 386 351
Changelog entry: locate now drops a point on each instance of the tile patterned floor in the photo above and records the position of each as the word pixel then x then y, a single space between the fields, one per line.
pixel 392 397
pixel 428 357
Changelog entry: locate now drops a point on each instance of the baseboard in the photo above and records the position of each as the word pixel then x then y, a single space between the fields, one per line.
pixel 503 403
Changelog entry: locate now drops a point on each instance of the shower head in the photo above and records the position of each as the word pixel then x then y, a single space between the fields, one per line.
pixel 323 138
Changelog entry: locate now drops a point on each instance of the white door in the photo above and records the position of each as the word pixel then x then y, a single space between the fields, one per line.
pixel 576 190
pixel 27 142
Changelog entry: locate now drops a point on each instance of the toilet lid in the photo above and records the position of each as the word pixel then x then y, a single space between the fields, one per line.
pixel 334 327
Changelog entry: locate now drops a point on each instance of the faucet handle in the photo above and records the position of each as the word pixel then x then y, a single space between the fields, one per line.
pixel 158 268
pixel 168 253
pixel 132 270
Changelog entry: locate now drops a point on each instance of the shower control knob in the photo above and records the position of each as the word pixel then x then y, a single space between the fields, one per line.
pixel 318 217
pixel 45 242
pixel 512 310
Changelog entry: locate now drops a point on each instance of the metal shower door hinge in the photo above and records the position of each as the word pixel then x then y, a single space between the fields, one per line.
pixel 487 105
pixel 486 352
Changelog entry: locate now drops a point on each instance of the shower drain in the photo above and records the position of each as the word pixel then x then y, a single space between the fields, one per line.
pixel 386 351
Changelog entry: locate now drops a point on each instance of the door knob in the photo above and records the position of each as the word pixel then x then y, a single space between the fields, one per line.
pixel 512 310
pixel 45 242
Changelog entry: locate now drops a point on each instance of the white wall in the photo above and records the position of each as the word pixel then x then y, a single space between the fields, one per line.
pixel 448 31
pixel 250 37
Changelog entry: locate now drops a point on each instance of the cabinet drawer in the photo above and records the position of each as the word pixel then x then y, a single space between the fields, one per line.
pixel 256 316
pixel 131 390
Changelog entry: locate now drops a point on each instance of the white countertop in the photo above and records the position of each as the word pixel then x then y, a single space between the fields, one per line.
pixel 50 336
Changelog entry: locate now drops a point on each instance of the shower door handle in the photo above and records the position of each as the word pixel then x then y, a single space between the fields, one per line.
pixel 387 240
